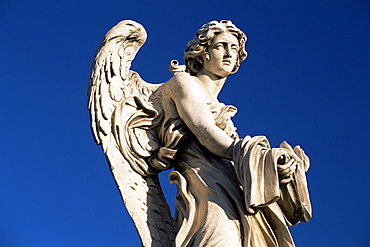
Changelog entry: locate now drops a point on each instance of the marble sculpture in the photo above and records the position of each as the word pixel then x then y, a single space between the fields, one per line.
pixel 231 191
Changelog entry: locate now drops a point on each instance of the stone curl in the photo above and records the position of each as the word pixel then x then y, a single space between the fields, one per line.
pixel 193 54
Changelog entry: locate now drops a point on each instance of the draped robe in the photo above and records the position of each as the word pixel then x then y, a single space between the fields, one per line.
pixel 233 203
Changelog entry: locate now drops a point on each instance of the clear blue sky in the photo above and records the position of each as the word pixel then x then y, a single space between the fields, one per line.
pixel 306 81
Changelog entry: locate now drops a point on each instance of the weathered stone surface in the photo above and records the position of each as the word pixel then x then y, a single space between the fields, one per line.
pixel 231 191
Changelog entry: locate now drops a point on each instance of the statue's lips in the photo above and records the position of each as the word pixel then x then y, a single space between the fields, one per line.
pixel 228 62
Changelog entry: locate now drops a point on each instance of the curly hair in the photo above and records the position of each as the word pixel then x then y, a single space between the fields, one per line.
pixel 203 38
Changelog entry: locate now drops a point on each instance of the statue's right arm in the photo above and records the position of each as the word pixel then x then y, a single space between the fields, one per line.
pixel 192 108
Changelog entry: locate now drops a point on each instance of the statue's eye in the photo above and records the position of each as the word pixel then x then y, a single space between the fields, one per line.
pixel 234 48
pixel 219 46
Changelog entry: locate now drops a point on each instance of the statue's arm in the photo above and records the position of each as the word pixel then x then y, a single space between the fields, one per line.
pixel 192 108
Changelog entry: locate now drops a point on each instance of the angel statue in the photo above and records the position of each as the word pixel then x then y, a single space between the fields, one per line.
pixel 231 192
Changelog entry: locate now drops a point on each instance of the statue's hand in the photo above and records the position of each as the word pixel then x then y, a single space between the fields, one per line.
pixel 286 166
pixel 287 163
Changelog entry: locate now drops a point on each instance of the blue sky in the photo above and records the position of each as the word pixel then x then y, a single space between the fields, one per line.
pixel 306 81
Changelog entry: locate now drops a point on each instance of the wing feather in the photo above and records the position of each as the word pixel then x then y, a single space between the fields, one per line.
pixel 123 111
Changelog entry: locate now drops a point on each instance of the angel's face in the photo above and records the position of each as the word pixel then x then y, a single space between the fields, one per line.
pixel 222 54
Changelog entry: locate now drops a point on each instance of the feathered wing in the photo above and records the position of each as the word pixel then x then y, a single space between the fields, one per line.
pixel 124 113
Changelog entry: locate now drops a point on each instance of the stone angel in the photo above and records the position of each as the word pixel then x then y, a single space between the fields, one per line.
pixel 231 191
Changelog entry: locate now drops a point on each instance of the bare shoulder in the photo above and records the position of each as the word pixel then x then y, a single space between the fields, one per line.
pixel 181 82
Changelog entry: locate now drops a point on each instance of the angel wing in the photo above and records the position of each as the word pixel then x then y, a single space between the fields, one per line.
pixel 124 112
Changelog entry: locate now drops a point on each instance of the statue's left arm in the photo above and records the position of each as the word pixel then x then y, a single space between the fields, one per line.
pixel 185 93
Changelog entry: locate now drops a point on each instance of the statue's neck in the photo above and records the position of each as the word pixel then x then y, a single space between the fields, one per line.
pixel 211 82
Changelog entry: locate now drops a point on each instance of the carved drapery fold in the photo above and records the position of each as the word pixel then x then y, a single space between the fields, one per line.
pixel 133 124
pixel 255 166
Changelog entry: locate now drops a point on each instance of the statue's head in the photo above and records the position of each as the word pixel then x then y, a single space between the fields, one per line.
pixel 196 48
